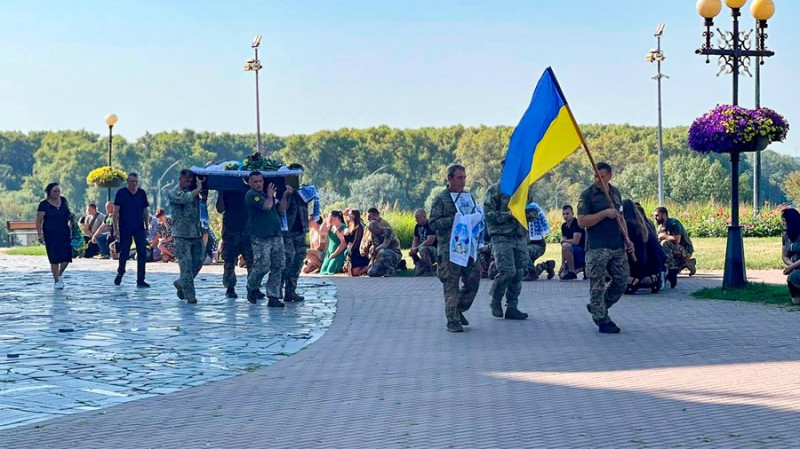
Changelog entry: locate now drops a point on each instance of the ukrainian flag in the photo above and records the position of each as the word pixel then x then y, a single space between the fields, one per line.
pixel 545 136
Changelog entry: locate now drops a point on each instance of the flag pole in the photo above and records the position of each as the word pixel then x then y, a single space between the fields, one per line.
pixel 620 219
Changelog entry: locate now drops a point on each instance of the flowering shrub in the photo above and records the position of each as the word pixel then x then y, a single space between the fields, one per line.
pixel 700 223
pixel 105 175
pixel 726 127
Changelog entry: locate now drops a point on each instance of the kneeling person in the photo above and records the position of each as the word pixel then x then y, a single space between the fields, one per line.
pixel 676 243
pixel 385 253
pixel 423 248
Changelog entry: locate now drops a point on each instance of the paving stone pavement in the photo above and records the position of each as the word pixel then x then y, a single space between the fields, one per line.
pixel 683 373
pixel 95 345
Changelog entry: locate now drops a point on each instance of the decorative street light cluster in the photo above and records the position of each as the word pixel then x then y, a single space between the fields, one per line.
pixel 657 56
pixel 735 52
pixel 111 120
pixel 254 65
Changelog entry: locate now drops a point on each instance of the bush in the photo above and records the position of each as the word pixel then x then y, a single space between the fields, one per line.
pixel 403 224
pixel 105 175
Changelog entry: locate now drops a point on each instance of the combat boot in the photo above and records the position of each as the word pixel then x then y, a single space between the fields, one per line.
pixel 454 326
pixel 293 297
pixel 672 278
pixel 275 302
pixel 464 321
pixel 497 308
pixel 550 267
pixel 230 293
pixel 531 276
pixel 252 297
pixel 515 314
pixel 691 264
pixel 609 328
pixel 259 294
pixel 178 290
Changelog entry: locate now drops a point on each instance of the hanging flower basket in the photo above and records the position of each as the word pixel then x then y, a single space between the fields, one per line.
pixel 106 177
pixel 730 129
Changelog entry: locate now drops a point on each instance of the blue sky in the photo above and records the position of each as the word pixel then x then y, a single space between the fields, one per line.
pixel 164 65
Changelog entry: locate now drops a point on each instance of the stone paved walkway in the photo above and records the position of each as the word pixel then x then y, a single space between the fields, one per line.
pixel 94 345
pixel 683 373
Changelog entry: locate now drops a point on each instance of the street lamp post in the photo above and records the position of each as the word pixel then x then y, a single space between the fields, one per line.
pixel 757 154
pixel 254 65
pixel 734 55
pixel 657 56
pixel 111 120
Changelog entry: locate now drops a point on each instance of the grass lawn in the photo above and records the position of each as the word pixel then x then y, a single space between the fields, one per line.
pixel 753 292
pixel 760 253
pixel 37 250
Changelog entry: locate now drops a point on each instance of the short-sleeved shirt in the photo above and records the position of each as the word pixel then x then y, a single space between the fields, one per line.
pixel 94 220
pixel 569 231
pixel 261 223
pixel 131 209
pixel 672 226
pixel 606 233
pixel 235 217
pixel 422 232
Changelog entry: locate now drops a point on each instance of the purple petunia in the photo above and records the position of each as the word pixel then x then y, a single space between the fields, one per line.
pixel 728 127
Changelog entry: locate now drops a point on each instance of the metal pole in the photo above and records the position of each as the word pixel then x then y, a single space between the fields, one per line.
pixel 660 136
pixel 735 275
pixel 757 154
pixel 258 111
pixel 110 137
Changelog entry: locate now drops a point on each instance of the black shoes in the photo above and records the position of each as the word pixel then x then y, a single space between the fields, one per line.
pixel 568 276
pixel 259 294
pixel 609 328
pixel 514 314
pixel 551 269
pixel 252 296
pixel 230 293
pixel 191 301
pixel 464 321
pixel 672 278
pixel 497 310
pixel 118 279
pixel 178 290
pixel 691 264
pixel 275 302
pixel 293 297
pixel 143 284
pixel 453 326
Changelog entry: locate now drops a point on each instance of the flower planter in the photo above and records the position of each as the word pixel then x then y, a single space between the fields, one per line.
pixel 733 129
pixel 113 184
pixel 757 144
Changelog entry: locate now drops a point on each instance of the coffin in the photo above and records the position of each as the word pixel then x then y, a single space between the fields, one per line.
pixel 237 179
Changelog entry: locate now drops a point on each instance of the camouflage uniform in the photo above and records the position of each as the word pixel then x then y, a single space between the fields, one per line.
pixel 294 242
pixel 268 257
pixel 366 240
pixel 236 239
pixel 509 248
pixel 457 299
pixel 677 253
pixel 423 262
pixel 606 255
pixel 187 233
pixel 385 262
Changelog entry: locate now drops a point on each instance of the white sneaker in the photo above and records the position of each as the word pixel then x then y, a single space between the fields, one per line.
pixel 59 285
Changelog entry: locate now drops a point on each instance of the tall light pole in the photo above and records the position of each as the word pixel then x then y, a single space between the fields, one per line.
pixel 254 65
pixel 734 53
pixel 657 56
pixel 111 120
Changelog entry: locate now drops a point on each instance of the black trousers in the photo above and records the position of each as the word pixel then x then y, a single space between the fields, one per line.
pixel 124 250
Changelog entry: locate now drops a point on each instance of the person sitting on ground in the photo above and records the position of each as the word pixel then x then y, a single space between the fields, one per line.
pixel 423 247
pixel 317 242
pixel 90 223
pixel 573 244
pixel 791 251
pixel 333 262
pixel 166 243
pixel 153 239
pixel 104 235
pixel 354 234
pixel 676 243
pixel 385 251
pixel 538 228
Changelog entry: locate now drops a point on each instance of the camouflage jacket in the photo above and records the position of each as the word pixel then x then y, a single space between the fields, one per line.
pixel 499 220
pixel 366 240
pixel 387 234
pixel 443 210
pixel 296 209
pixel 185 213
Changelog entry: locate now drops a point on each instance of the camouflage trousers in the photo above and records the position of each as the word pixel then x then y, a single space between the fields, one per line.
pixel 677 255
pixel 384 264
pixel 190 255
pixel 460 285
pixel 603 263
pixel 535 250
pixel 268 257
pixel 424 260
pixel 294 249
pixel 511 259
pixel 234 244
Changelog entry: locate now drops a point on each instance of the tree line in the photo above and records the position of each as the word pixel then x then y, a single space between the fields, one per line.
pixel 381 165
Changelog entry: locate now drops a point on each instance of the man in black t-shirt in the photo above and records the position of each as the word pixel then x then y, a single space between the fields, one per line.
pixel 423 247
pixel 573 241
pixel 235 238
pixel 131 220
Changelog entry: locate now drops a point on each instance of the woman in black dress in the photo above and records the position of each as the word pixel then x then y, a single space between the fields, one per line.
pixel 358 264
pixel 53 227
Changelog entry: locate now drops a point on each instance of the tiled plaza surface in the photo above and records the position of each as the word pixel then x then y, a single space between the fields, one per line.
pixel 94 345
pixel 683 373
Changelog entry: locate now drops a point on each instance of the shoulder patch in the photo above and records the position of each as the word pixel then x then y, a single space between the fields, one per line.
pixel 256 198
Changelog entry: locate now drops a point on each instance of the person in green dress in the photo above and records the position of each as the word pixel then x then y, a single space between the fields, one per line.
pixel 333 262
